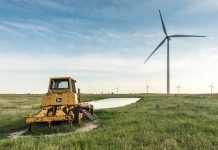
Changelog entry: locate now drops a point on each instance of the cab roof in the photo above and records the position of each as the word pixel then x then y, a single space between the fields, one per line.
pixel 52 78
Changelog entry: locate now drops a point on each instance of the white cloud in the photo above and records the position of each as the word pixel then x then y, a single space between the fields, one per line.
pixel 26 26
pixel 203 6
pixel 97 73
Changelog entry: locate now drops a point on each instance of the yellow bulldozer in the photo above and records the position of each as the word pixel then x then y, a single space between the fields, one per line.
pixel 62 103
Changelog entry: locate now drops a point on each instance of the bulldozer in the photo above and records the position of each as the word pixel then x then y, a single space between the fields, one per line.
pixel 62 103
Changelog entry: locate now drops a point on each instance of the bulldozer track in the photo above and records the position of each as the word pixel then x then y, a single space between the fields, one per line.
pixel 88 114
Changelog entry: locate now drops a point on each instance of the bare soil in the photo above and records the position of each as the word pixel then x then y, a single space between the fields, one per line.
pixel 17 133
pixel 89 126
pixel 86 128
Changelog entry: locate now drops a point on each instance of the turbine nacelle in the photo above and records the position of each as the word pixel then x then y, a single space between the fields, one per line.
pixel 168 38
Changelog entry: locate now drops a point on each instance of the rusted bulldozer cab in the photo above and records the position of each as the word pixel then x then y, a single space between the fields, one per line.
pixel 61 91
pixel 62 85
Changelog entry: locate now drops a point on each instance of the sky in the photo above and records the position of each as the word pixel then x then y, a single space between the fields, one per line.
pixel 103 45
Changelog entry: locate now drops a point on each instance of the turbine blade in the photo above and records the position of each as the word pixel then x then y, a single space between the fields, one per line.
pixel 164 28
pixel 178 35
pixel 161 43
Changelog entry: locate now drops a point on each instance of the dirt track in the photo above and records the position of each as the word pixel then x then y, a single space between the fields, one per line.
pixel 87 127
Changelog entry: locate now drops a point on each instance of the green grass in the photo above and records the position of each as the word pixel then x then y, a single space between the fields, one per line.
pixel 155 122
pixel 14 109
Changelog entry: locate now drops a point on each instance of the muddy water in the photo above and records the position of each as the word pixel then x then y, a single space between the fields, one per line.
pixel 113 102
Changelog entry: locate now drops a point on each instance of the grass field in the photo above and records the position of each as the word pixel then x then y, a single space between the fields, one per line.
pixel 155 122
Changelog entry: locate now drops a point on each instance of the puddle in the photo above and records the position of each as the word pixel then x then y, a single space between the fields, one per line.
pixel 112 102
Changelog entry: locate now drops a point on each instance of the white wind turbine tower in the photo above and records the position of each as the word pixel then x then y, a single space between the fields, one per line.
pixel 147 88
pixel 168 38
pixel 178 88
pixel 211 88
pixel 117 89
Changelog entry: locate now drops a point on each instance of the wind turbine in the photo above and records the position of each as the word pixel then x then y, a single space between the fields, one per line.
pixel 117 89
pixel 211 88
pixel 178 87
pixel 168 38
pixel 147 86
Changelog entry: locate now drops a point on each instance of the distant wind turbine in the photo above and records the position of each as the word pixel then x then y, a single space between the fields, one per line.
pixel 117 89
pixel 178 88
pixel 168 38
pixel 211 88
pixel 147 86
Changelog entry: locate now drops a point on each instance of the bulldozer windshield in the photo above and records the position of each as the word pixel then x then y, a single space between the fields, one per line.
pixel 59 84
